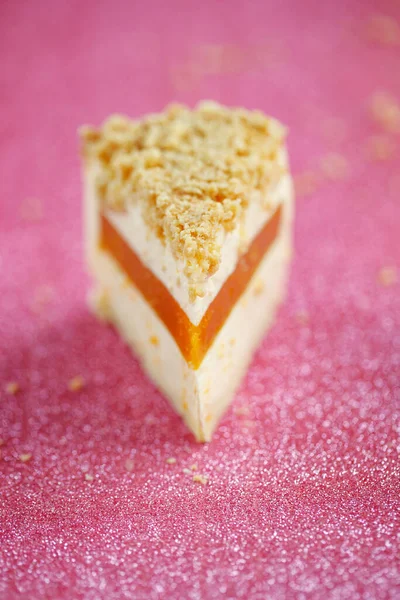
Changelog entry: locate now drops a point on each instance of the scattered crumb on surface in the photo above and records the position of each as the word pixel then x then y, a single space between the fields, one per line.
pixel 171 460
pixel 187 471
pixel 88 477
pixel 385 110
pixel 25 457
pixel 335 166
pixel 306 182
pixel 302 317
pixel 383 29
pixel 380 147
pixel 197 478
pixel 129 464
pixel 387 276
pixel 194 467
pixel 31 209
pixel 76 383
pixel 154 340
pixel 12 387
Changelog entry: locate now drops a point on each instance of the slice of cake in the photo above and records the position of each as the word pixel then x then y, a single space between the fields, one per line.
pixel 188 233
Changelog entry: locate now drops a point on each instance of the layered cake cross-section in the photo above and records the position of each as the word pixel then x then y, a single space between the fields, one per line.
pixel 188 220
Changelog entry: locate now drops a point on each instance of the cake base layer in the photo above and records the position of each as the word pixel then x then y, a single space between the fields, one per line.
pixel 200 395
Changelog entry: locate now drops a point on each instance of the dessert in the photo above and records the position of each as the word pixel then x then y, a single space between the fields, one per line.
pixel 188 217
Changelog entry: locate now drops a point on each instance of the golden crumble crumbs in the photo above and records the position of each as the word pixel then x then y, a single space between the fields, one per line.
pixel 76 383
pixel 192 170
pixel 194 467
pixel 387 276
pixel 25 457
pixel 154 341
pixel 197 478
pixel 12 387
pixel 171 461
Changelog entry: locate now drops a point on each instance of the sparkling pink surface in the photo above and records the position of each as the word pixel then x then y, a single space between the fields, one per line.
pixel 303 493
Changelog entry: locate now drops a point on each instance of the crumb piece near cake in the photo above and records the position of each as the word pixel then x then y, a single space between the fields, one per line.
pixel 387 276
pixel 306 182
pixel 383 29
pixel 88 477
pixel 197 478
pixel 171 460
pixel 76 383
pixel 12 387
pixel 194 467
pixel 302 317
pixel 384 109
pixel 26 457
pixel 335 166
pixel 129 464
pixel 380 148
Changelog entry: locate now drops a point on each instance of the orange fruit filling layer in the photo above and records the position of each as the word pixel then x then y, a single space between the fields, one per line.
pixel 192 340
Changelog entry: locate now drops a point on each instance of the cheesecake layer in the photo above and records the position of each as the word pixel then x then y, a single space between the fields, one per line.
pixel 200 395
pixel 188 236
pixel 192 340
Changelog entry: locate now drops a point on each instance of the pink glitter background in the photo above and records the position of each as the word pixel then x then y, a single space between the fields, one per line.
pixel 303 493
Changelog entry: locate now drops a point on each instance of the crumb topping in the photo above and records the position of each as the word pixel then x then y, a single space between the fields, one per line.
pixel 193 171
